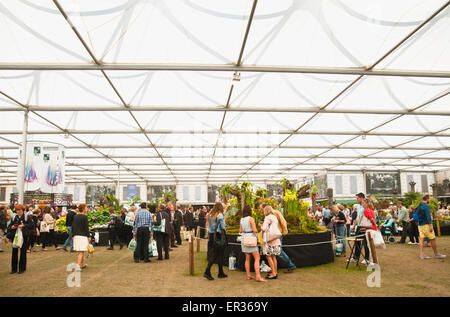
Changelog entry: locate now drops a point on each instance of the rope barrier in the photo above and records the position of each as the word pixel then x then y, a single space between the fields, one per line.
pixel 297 245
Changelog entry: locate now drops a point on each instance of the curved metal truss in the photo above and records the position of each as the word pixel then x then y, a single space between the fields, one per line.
pixel 178 91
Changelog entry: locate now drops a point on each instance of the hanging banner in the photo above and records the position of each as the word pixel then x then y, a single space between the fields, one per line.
pixel 131 191
pixel 45 167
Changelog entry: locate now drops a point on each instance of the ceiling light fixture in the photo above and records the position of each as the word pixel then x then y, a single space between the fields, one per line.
pixel 236 77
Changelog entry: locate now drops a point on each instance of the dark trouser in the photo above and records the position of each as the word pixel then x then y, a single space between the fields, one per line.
pixel 44 239
pixel 177 234
pixel 114 235
pixel 127 234
pixel 51 238
pixel 172 235
pixel 162 241
pixel 202 229
pixel 142 240
pixel 23 256
pixel 214 255
pixel 405 231
pixel 413 232
pixel 360 231
pixel 31 241
pixel 348 230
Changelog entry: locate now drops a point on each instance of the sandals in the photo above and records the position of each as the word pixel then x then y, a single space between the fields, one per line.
pixel 272 277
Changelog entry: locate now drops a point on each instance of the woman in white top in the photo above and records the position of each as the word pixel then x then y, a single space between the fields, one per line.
pixel 318 215
pixel 47 228
pixel 271 248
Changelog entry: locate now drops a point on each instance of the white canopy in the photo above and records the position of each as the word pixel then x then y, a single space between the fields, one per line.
pixel 147 85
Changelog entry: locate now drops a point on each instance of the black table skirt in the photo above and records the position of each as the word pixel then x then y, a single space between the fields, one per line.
pixel 301 256
pixel 103 237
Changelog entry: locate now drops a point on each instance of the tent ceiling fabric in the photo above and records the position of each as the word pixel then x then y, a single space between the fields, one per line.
pixel 147 87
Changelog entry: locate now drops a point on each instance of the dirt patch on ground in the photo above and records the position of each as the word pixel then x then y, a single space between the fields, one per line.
pixel 113 273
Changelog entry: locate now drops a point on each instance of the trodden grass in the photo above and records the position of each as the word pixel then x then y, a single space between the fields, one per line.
pixel 113 273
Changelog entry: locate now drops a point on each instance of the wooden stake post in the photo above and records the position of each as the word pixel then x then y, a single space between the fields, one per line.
pixel 438 227
pixel 191 255
pixel 372 249
pixel 198 239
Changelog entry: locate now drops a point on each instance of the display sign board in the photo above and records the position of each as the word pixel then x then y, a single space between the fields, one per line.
pixel 383 183
pixel 131 191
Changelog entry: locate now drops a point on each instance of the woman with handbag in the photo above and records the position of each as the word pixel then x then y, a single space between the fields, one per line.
pixel 249 243
pixel 271 240
pixel 25 225
pixel 367 222
pixel 44 228
pixel 217 240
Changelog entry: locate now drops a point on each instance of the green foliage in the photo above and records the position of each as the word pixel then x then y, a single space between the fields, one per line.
pixel 233 223
pixel 411 197
pixel 113 202
pixel 286 184
pixel 61 225
pixel 134 200
pixel 433 203
pixel 99 217
pixel 261 192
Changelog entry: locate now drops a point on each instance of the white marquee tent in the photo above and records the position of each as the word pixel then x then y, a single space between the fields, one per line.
pixel 223 91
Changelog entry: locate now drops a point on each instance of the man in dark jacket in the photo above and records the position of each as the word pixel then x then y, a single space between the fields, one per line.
pixel 202 221
pixel 69 220
pixel 162 238
pixel 171 212
pixel 115 225
pixel 189 219
pixel 177 223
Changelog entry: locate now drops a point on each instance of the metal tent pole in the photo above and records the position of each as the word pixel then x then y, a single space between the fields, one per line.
pixel 22 161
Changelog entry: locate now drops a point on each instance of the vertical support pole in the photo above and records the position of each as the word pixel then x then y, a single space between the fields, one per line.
pixel 118 183
pixel 191 256
pixel 198 239
pixel 436 213
pixel 23 159
pixel 372 249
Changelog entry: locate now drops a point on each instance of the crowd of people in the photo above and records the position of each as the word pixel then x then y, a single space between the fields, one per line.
pixel 345 221
pixel 164 222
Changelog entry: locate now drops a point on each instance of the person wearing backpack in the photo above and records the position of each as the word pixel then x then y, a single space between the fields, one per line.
pixel 115 225
pixel 426 228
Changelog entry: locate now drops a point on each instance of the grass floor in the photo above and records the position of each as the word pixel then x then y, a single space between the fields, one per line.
pixel 113 273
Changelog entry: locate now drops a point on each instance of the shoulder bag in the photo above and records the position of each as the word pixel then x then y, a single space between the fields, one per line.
pixel 366 222
pixel 273 233
pixel 220 239
pixel 162 226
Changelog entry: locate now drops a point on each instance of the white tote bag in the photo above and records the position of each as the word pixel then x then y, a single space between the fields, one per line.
pixel 18 239
pixel 378 240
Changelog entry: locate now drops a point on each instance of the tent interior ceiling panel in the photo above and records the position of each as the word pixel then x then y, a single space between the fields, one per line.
pixel 225 91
